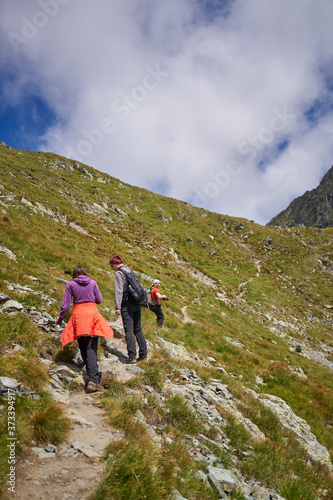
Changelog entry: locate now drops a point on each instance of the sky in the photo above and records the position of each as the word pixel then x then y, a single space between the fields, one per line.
pixel 225 104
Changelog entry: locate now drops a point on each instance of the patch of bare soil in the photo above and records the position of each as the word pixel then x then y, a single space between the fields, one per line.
pixel 187 318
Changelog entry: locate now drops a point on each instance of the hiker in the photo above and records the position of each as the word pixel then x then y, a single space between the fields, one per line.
pixel 130 312
pixel 86 323
pixel 156 298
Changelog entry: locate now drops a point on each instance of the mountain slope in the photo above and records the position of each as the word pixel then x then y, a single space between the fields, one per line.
pixel 251 305
pixel 313 209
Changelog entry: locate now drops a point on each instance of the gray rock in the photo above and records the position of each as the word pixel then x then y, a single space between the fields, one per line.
pixel 299 426
pixel 176 495
pixel 90 453
pixel 202 477
pixel 211 359
pixel 62 281
pixel 23 390
pixel 76 444
pixel 224 480
pixel 41 453
pixel 134 369
pixel 50 448
pixel 9 383
pixel 7 252
pixel 12 306
pixel 3 298
pixel 17 347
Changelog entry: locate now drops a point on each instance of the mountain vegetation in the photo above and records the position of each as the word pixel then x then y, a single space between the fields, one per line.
pixel 313 209
pixel 249 306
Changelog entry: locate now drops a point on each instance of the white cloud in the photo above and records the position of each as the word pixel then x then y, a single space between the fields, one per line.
pixel 163 97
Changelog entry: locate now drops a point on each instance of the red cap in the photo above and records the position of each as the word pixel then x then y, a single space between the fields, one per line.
pixel 116 260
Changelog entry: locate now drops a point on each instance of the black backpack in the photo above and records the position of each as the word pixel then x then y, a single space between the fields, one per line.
pixel 136 292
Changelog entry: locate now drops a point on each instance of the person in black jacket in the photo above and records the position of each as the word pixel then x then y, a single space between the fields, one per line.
pixel 130 313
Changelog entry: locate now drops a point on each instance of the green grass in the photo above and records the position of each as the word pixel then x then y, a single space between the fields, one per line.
pixel 137 469
pixel 48 422
pixel 294 284
pixel 297 490
pixel 41 420
pixel 181 416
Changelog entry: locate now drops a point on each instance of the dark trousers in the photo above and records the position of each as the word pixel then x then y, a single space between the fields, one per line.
pixel 88 348
pixel 131 316
pixel 157 309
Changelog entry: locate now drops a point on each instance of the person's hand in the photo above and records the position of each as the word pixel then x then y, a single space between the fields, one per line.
pixel 118 312
pixel 58 322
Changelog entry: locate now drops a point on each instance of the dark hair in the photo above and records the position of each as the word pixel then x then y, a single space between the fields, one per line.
pixel 78 270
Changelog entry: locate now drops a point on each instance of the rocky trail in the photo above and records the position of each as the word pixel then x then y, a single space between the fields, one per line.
pixel 73 469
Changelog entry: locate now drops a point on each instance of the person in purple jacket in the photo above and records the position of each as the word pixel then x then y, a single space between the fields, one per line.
pixel 86 323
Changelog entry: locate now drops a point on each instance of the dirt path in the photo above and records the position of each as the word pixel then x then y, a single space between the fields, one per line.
pixel 187 318
pixel 243 286
pixel 75 469
pixel 69 473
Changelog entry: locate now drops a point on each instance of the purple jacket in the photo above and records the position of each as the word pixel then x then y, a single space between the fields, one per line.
pixel 81 289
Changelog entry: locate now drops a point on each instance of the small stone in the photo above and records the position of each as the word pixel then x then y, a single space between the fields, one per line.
pixel 50 448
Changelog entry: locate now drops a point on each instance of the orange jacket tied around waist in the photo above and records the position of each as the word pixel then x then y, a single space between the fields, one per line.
pixel 85 320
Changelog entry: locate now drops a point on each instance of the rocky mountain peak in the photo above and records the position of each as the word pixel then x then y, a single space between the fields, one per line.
pixel 313 209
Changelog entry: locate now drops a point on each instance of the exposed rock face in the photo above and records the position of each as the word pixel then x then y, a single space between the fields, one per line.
pixel 313 209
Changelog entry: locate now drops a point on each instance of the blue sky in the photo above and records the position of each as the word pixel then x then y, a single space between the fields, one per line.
pixel 224 104
pixel 22 126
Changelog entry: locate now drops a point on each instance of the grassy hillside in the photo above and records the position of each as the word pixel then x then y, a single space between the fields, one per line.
pixel 268 288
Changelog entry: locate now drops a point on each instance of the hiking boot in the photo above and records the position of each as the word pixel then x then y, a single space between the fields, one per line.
pixel 93 387
pixel 142 358
pixel 132 361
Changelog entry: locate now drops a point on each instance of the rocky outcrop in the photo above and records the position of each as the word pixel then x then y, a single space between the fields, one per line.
pixel 312 209
pixel 204 398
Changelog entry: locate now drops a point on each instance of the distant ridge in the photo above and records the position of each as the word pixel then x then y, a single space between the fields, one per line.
pixel 313 209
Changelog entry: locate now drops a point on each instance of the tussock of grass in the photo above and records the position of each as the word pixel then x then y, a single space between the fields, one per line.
pixel 132 471
pixel 21 331
pixel 240 438
pixel 297 490
pixel 181 417
pixel 136 468
pixel 154 413
pixel 154 374
pixel 267 421
pixel 49 423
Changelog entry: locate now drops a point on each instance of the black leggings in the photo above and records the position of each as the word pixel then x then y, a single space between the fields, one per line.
pixel 131 315
pixel 157 309
pixel 88 348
